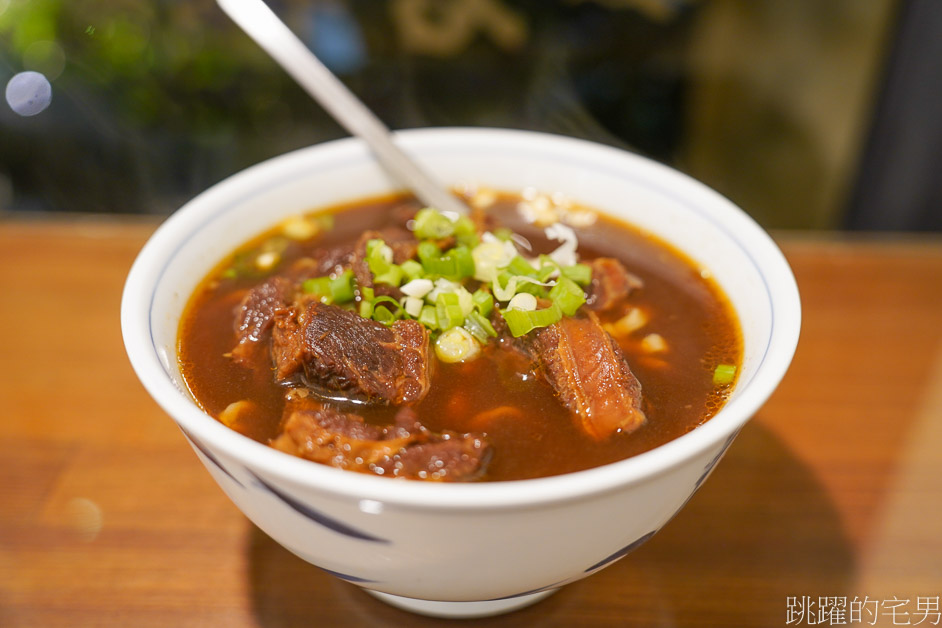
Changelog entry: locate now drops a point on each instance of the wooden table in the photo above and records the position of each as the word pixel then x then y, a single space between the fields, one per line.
pixel 834 490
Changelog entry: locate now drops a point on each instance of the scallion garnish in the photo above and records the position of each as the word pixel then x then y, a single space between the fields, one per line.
pixel 385 314
pixel 724 374
pixel 366 302
pixel 448 310
pixel 483 301
pixel 568 295
pixel 481 321
pixel 428 250
pixel 435 285
pixel 412 269
pixel 521 322
pixel 337 289
pixel 429 317
pixel 520 266
pixel 341 287
pixel 432 224
pixel 317 286
pixel 580 273
pixel 379 259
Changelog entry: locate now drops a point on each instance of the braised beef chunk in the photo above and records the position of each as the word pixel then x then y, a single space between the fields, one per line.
pixel 320 263
pixel 404 246
pixel 287 342
pixel 342 352
pixel 445 457
pixel 590 375
pixel 611 282
pixel 255 315
pixel 404 450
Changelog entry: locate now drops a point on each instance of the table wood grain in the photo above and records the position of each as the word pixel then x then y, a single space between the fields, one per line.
pixel 833 490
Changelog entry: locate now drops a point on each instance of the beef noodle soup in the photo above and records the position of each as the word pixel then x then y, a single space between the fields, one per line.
pixel 531 338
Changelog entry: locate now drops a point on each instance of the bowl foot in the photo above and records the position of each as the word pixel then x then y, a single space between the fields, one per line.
pixel 484 608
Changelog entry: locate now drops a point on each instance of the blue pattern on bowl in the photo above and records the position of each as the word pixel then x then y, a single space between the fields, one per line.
pixel 315 515
pixel 709 467
pixel 209 456
pixel 622 552
pixel 347 577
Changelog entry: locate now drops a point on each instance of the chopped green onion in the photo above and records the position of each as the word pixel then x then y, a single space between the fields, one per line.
pixel 473 328
pixel 417 287
pixel 327 290
pixel 724 374
pixel 341 287
pixel 483 323
pixel 379 260
pixel 503 233
pixel 443 266
pixel 428 250
pixel 432 224
pixel 464 263
pixel 366 302
pixel 465 300
pixel 390 275
pixel 318 286
pixel 384 299
pixel 519 266
pixel 412 269
pixel 448 310
pixel 580 273
pixel 520 322
pixel 506 286
pixel 517 283
pixel 429 317
pixel 568 295
pixel 385 315
pixel 412 305
pixel 483 301
pixel 456 345
pixel 456 264
pixel 434 287
pixel 546 271
pixel 377 248
pixel 464 226
pixel 466 232
pixel 489 258
pixel 522 301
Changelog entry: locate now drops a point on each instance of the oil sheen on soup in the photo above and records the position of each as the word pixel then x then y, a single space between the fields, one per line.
pixel 530 338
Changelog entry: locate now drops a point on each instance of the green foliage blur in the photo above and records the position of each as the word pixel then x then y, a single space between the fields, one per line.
pixel 152 102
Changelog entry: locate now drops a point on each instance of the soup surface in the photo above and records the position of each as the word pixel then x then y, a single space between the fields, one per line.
pixel 303 339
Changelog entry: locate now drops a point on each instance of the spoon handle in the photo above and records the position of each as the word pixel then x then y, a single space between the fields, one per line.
pixel 261 24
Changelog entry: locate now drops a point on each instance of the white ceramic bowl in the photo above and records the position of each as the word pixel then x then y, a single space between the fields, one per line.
pixel 462 549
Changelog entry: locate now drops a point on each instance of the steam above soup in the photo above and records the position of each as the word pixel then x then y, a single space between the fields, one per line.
pixel 530 338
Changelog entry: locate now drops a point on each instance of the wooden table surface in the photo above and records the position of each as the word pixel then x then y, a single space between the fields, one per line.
pixel 834 490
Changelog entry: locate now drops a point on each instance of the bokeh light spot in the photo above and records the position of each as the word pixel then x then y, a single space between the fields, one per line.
pixel 45 57
pixel 84 517
pixel 29 93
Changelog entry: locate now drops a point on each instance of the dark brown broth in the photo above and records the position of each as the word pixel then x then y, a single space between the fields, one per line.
pixel 540 437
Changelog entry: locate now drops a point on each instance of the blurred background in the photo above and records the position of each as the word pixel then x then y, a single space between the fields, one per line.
pixel 810 114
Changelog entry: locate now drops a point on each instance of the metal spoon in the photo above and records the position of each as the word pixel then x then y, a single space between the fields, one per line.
pixel 261 24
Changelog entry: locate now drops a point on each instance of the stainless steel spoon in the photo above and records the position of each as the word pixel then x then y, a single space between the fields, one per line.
pixel 261 24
